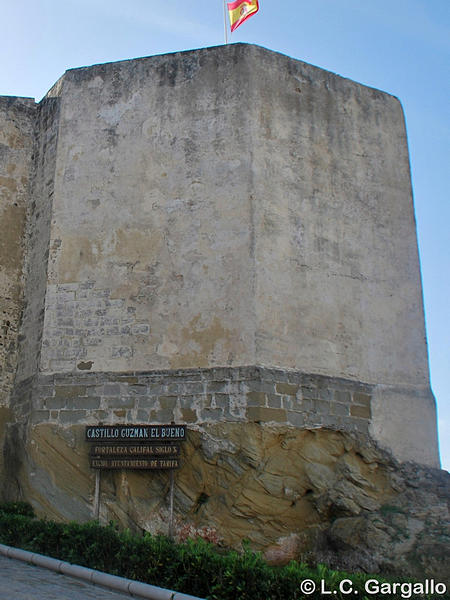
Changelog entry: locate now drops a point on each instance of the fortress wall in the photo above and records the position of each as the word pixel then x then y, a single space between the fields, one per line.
pixel 232 207
pixel 199 396
pixel 151 261
pixel 16 149
pixel 38 241
pixel 338 287
pixel 217 236
pixel 338 283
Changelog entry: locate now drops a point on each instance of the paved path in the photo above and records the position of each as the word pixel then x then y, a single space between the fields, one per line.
pixel 21 581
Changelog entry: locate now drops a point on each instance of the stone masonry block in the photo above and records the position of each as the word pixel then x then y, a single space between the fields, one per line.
pixel 130 379
pixel 310 393
pixel 362 399
pixel 142 415
pixel 221 373
pixel 215 386
pixel 91 402
pixel 292 377
pixel 121 402
pixel 100 293
pixel 295 418
pixel 174 388
pixel 326 394
pixel 257 385
pixel 157 389
pixel 71 416
pixel 307 405
pixel 69 391
pixel 343 397
pixel 260 413
pixel 277 375
pixel 168 402
pixel 339 409
pixel 137 390
pixel 191 377
pixel 140 329
pixel 230 414
pixel 196 387
pixel 331 421
pixel 256 399
pixel 211 414
pixel 274 401
pixel 360 411
pixel 121 352
pixel 111 389
pixel 200 400
pixel 54 403
pixel 321 407
pixel 120 413
pixel 290 403
pixel 188 415
pixel 287 389
pixel 146 401
pixel 161 416
pixel 222 400
pixel 40 416
pixel 100 415
pixel 46 390
pixel 95 390
pixel 352 424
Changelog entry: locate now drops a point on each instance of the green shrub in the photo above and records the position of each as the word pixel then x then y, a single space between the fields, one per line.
pixel 194 567
pixel 17 508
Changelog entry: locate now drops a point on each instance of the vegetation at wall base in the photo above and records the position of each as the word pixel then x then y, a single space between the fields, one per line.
pixel 193 567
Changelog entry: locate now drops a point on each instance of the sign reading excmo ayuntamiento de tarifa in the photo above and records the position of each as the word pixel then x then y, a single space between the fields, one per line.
pixel 135 446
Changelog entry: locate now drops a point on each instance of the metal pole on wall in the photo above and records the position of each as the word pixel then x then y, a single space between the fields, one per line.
pixel 225 20
pixel 172 482
pixel 97 495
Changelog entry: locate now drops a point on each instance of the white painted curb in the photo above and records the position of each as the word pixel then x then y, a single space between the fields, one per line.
pixel 118 584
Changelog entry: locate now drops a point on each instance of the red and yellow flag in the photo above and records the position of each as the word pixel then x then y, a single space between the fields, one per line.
pixel 240 10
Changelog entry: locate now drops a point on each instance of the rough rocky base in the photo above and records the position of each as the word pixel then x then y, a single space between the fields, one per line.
pixel 317 495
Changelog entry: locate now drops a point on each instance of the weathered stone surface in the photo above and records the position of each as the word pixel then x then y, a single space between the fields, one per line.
pixel 232 395
pixel 169 228
pixel 16 148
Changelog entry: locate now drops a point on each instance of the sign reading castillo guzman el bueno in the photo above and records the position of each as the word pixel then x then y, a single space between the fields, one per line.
pixel 134 433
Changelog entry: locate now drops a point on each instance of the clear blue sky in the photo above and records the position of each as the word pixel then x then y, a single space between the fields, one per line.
pixel 399 46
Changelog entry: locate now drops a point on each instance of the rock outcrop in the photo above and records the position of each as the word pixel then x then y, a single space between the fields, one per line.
pixel 316 495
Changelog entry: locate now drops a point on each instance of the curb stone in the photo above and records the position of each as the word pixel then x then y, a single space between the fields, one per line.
pixel 112 582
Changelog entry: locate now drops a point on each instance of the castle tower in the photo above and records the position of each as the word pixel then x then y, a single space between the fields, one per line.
pixel 222 237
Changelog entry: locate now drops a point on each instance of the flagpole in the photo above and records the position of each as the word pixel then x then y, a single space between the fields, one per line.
pixel 225 20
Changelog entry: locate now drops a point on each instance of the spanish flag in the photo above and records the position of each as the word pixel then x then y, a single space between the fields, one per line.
pixel 240 10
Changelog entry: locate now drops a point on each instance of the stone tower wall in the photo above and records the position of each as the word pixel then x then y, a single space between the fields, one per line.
pixel 17 118
pixel 16 149
pixel 218 236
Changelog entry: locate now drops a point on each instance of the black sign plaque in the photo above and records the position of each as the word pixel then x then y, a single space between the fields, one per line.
pixel 135 446
pixel 132 434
